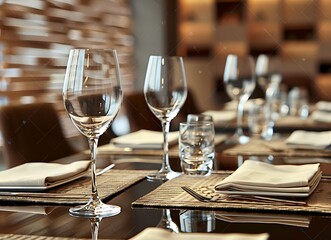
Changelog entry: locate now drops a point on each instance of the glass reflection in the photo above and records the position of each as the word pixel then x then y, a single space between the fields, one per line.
pixel 197 221
pixel 166 222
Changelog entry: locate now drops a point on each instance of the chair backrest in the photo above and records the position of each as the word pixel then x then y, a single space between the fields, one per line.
pixel 32 133
pixel 141 117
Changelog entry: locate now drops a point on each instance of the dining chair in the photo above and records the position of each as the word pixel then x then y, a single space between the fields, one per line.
pixel 32 133
pixel 140 116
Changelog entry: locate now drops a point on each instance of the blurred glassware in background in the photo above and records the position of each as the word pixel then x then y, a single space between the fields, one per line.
pixel 268 71
pixel 199 118
pixel 260 119
pixel 239 81
pixel 298 102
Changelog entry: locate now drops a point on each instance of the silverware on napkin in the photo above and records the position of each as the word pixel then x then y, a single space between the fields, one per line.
pixel 211 196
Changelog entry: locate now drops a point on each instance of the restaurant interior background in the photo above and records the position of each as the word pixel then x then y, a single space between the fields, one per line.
pixel 36 36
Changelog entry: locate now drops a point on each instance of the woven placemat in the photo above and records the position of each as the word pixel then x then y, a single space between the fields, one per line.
pixel 277 147
pixel 34 237
pixel 109 184
pixel 170 195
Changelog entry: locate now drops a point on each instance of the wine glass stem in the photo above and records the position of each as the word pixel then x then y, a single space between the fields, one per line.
pixel 240 109
pixel 165 163
pixel 95 228
pixel 93 143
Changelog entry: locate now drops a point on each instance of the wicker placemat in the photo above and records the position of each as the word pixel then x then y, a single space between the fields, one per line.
pixel 34 237
pixel 31 237
pixel 170 195
pixel 109 184
pixel 277 147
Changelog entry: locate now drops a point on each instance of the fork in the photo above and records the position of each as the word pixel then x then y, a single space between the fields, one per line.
pixel 241 198
pixel 200 197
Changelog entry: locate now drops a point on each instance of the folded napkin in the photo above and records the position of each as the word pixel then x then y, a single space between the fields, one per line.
pixel 221 116
pixel 323 106
pixel 144 139
pixel 321 116
pixel 41 175
pixel 309 140
pixel 259 178
pixel 165 234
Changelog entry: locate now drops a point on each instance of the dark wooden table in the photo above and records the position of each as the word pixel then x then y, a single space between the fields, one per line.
pixel 57 222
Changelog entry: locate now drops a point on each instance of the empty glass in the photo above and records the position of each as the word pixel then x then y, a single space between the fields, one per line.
pixel 165 91
pixel 239 80
pixel 298 102
pixel 260 122
pixel 199 118
pixel 196 147
pixel 92 96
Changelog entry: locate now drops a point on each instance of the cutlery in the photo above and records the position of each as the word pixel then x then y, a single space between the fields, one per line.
pixel 240 198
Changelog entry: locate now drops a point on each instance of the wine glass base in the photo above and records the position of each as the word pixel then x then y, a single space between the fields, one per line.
pixel 163 176
pixel 95 209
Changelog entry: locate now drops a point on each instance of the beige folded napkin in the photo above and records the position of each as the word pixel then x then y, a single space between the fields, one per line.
pixel 259 178
pixel 164 234
pixel 321 116
pixel 221 116
pixel 145 139
pixel 41 175
pixel 323 106
pixel 309 140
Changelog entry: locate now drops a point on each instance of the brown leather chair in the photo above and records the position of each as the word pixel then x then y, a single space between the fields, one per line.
pixel 32 133
pixel 141 117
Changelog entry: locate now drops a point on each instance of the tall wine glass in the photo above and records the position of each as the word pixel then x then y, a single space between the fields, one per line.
pixel 268 73
pixel 239 80
pixel 92 96
pixel 165 91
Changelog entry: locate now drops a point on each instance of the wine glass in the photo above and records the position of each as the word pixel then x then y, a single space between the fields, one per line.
pixel 92 97
pixel 165 91
pixel 239 80
pixel 268 73
pixel 269 78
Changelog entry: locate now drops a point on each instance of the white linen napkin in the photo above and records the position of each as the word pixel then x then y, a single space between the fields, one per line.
pixel 321 116
pixel 323 106
pixel 164 234
pixel 221 116
pixel 41 174
pixel 144 139
pixel 309 140
pixel 259 178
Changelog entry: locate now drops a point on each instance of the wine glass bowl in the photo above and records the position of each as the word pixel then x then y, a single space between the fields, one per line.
pixel 165 91
pixel 239 80
pixel 267 71
pixel 92 97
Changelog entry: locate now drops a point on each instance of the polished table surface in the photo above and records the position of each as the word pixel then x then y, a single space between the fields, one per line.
pixel 58 222
pixel 55 220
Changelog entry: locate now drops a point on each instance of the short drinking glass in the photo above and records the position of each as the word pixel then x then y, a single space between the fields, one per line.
pixel 196 147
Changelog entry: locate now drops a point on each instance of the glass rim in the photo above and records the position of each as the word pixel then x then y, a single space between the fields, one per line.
pixel 93 49
pixel 198 123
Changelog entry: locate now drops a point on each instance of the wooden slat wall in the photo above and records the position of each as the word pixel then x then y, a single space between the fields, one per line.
pixel 36 36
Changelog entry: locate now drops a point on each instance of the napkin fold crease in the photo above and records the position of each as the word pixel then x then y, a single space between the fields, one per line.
pixel 259 178
pixel 41 174
pixel 301 139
